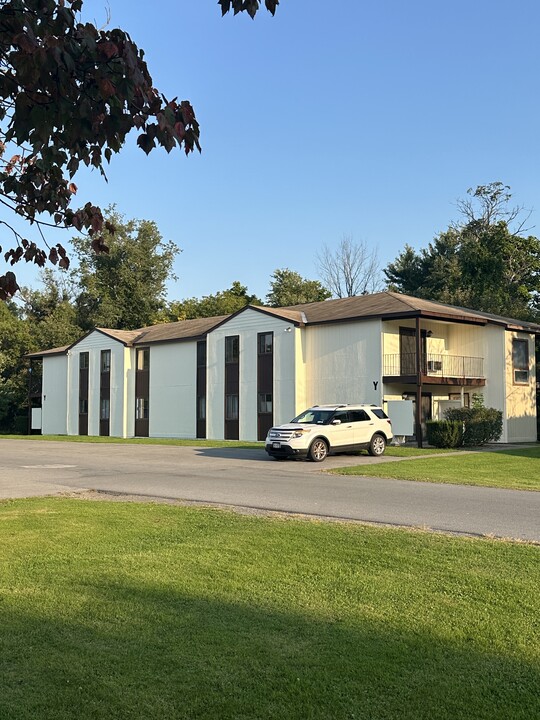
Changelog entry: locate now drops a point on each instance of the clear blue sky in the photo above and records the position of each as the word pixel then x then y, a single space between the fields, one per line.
pixel 334 117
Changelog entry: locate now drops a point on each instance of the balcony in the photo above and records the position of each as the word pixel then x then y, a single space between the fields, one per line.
pixel 435 369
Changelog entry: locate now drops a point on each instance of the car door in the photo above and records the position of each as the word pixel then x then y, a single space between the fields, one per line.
pixel 341 434
pixel 363 426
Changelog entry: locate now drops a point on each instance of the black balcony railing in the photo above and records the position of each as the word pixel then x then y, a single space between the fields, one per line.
pixel 451 366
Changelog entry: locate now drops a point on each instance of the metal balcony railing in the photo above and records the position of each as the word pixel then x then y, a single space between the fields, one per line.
pixel 451 366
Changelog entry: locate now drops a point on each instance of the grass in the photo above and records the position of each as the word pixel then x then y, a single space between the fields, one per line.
pixel 137 441
pixel 136 611
pixel 512 469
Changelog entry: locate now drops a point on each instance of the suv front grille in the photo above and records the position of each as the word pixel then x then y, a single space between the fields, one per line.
pixel 280 435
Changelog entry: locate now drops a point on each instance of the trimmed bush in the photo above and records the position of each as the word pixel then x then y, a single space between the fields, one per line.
pixel 480 425
pixel 445 433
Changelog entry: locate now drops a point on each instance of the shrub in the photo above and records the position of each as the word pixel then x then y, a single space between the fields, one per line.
pixel 445 433
pixel 480 424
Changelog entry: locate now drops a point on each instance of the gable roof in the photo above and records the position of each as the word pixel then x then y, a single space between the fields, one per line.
pixel 181 330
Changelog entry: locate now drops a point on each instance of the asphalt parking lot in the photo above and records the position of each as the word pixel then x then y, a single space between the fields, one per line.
pixel 250 479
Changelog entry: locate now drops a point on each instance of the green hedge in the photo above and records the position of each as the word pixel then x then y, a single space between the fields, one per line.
pixel 445 433
pixel 480 425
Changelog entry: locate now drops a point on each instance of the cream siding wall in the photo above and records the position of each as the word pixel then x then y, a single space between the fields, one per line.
pixel 343 361
pixel 94 344
pixel 247 325
pixel 128 416
pixel 520 398
pixel 54 395
pixel 173 374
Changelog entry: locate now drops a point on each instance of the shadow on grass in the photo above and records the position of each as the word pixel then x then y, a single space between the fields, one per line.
pixel 155 654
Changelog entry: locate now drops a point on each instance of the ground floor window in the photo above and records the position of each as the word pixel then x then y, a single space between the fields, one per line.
pixel 265 402
pixel 83 406
pixel 104 409
pixel 520 361
pixel 231 407
pixel 201 408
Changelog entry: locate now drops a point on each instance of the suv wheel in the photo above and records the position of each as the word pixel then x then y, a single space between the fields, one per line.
pixel 318 450
pixel 377 446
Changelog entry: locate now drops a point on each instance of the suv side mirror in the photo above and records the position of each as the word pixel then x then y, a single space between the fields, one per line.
pixel 336 422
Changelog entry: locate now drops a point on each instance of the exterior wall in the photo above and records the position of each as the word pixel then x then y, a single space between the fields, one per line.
pixel 247 325
pixel 173 373
pixel 494 369
pixel 54 395
pixel 128 414
pixel 520 398
pixel 94 343
pixel 343 361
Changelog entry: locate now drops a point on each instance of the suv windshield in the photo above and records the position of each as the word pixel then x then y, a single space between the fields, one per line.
pixel 313 416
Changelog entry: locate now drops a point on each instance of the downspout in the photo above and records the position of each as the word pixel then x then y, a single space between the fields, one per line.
pixel 419 438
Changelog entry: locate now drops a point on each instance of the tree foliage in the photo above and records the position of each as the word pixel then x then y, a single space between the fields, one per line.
pixel 485 261
pixel 350 268
pixel 290 288
pixel 249 6
pixel 126 287
pixel 70 94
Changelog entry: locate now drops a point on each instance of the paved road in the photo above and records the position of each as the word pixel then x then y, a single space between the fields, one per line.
pixel 248 478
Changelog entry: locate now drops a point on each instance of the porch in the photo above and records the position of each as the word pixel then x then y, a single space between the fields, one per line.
pixel 433 369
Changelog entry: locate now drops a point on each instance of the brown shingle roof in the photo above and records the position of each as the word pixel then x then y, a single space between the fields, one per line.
pixel 390 304
pixel 181 330
pixel 53 351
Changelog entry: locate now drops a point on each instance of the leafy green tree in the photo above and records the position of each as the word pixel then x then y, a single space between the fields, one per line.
pixel 485 261
pixel 223 302
pixel 16 339
pixel 290 288
pixel 124 288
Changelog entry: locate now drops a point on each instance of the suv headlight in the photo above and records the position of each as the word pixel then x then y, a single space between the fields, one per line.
pixel 299 433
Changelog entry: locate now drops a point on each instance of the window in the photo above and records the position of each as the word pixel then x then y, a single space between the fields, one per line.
pixel 105 361
pixel 201 408
pixel 83 361
pixel 141 409
pixel 378 413
pixel 265 403
pixel 266 343
pixel 201 354
pixel 104 409
pixel 83 406
pixel 232 349
pixel 143 359
pixel 362 416
pixel 520 360
pixel 457 396
pixel 231 407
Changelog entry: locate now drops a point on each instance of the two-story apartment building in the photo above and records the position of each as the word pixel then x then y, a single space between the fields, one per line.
pixel 235 376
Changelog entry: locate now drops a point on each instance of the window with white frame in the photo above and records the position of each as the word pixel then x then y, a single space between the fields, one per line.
pixel 520 361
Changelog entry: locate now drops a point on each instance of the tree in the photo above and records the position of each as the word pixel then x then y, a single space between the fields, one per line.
pixel 350 269
pixel 125 287
pixel 70 94
pixel 16 339
pixel 289 288
pixel 223 302
pixel 483 261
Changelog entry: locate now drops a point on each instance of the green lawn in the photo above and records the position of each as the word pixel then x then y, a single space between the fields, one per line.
pixel 141 611
pixel 513 469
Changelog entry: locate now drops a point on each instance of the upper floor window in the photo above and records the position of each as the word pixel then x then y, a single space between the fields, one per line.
pixel 84 360
pixel 520 360
pixel 232 349
pixel 105 361
pixel 201 353
pixel 143 359
pixel 266 343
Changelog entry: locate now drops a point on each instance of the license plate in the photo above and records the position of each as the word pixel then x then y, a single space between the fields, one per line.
pixel 276 446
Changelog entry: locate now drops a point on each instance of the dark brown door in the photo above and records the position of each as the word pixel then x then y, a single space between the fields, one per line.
pixel 232 387
pixel 201 389
pixel 407 351
pixel 142 392
pixel 105 393
pixel 265 383
pixel 84 359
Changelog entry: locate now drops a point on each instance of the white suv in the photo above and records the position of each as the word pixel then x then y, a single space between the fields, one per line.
pixel 326 429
